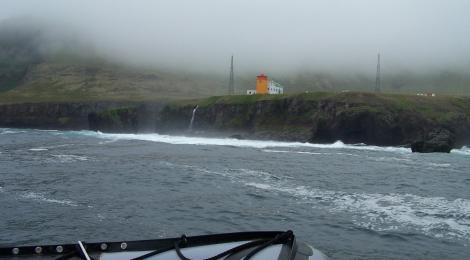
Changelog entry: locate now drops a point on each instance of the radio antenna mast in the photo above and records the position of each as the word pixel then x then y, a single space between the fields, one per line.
pixel 231 82
pixel 377 76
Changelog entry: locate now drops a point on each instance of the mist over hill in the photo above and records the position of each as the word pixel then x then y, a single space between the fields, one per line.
pixel 84 50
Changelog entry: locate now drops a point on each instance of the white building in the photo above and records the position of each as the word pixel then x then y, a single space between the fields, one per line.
pixel 266 86
pixel 275 88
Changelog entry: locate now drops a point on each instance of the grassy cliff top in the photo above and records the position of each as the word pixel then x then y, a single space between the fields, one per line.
pixel 441 108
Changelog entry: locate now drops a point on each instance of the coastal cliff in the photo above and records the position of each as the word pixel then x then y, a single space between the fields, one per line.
pixel 374 119
pixel 142 116
pixel 426 124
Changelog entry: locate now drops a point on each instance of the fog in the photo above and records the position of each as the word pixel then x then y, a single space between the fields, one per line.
pixel 263 35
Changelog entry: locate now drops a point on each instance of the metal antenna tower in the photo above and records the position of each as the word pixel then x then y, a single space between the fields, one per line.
pixel 377 77
pixel 231 82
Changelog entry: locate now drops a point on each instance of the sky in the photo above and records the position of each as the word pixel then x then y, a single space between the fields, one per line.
pixel 265 35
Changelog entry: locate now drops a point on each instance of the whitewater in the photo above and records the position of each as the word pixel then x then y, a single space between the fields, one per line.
pixel 351 201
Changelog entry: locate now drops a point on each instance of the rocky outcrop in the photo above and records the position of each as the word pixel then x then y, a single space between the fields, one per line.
pixel 83 116
pixel 351 118
pixel 438 140
pixel 51 115
pixel 425 125
pixel 115 120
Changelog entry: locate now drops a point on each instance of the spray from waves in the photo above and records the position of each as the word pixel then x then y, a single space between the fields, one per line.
pixel 433 216
pixel 5 131
pixel 236 142
pixel 463 151
pixel 42 198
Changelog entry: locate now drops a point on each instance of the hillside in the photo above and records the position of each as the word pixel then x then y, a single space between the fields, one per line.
pixel 37 65
pixel 54 82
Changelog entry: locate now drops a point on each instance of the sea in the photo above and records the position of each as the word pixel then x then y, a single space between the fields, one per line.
pixel 349 201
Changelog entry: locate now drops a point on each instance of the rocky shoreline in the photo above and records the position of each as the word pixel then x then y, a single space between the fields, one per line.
pixel 384 120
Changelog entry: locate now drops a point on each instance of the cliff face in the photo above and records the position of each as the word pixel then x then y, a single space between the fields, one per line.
pixel 350 117
pixel 80 115
pixel 430 123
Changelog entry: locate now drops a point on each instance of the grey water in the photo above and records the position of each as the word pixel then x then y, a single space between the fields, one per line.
pixel 350 201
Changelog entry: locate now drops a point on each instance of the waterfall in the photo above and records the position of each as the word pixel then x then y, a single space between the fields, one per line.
pixel 192 118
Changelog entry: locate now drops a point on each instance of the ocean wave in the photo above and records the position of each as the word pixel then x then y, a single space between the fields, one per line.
pixel 464 151
pixel 4 131
pixel 389 159
pixel 170 139
pixel 434 216
pixel 38 149
pixel 41 198
pixel 441 165
pixel 305 152
pixel 66 158
pixel 288 151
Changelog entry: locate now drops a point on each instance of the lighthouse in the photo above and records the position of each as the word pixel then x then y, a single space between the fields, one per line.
pixel 265 86
pixel 261 84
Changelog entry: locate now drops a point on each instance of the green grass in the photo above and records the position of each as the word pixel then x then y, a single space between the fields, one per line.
pixel 442 109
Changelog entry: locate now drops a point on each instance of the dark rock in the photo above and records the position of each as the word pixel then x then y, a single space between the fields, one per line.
pixel 357 125
pixel 121 120
pixel 352 118
pixel 133 119
pixel 72 115
pixel 81 115
pixel 371 120
pixel 237 136
pixel 436 141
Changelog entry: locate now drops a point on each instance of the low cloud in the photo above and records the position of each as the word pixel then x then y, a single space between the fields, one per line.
pixel 263 35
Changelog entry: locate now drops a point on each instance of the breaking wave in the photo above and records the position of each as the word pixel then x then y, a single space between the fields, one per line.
pixel 42 198
pixel 4 131
pixel 38 149
pixel 464 151
pixel 434 216
pixel 236 142
pixel 66 158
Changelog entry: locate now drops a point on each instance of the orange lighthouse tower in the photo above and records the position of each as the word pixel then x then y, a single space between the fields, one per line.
pixel 261 84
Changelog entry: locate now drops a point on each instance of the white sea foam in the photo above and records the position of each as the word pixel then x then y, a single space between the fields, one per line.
pixel 38 149
pixel 440 165
pixel 434 216
pixel 41 198
pixel 236 142
pixel 298 152
pixel 390 159
pixel 66 158
pixel 305 152
pixel 7 131
pixel 464 151
pixel 56 146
